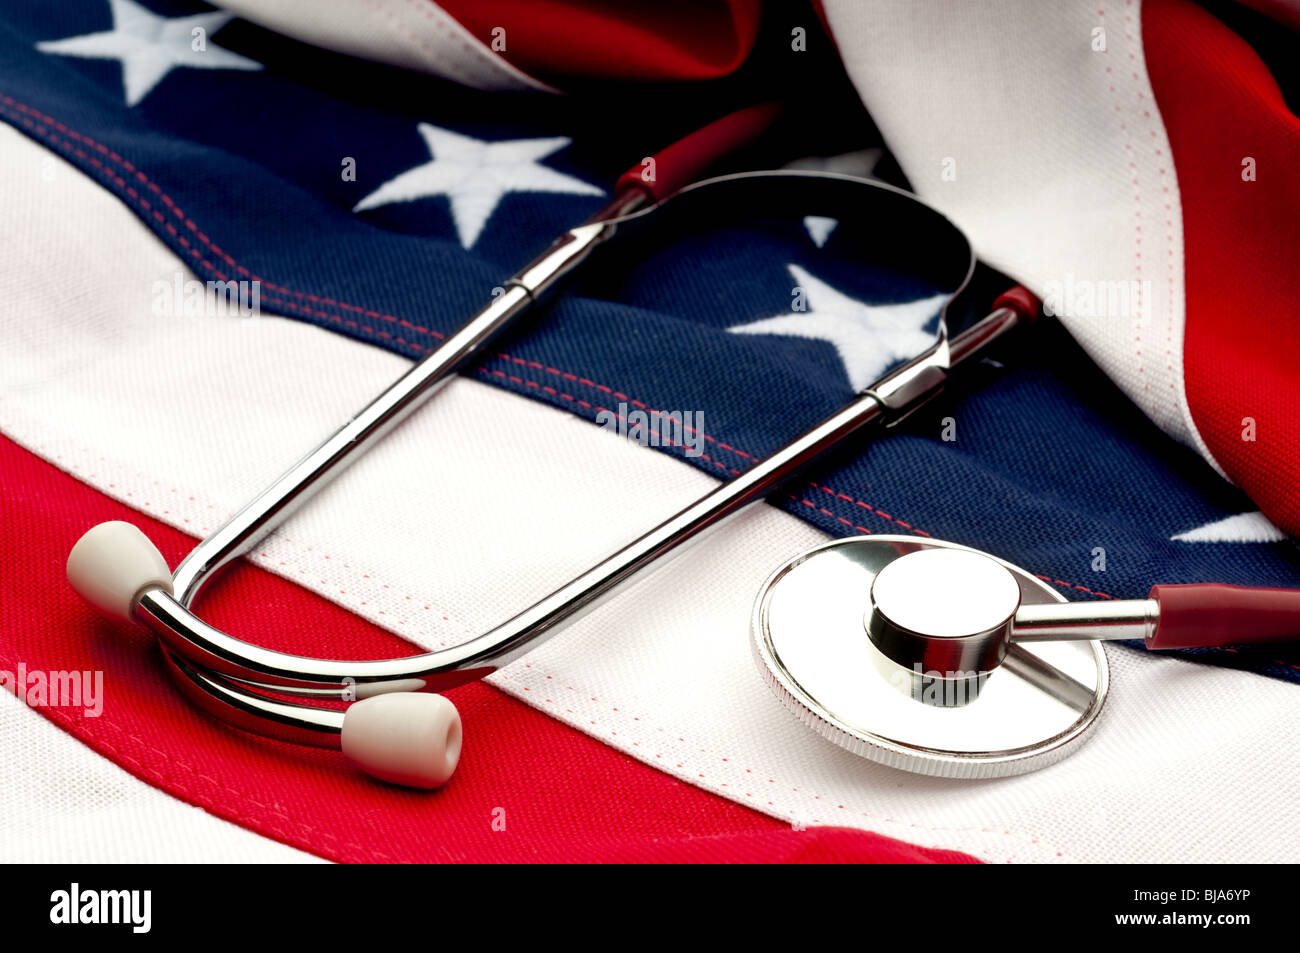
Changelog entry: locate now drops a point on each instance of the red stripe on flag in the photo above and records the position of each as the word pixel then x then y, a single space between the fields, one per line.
pixel 1241 239
pixel 594 39
pixel 562 795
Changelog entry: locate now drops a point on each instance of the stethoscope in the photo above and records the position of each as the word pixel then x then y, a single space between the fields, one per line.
pixel 862 639
pixel 940 659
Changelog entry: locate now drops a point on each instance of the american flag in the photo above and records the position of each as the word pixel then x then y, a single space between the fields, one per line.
pixel 226 228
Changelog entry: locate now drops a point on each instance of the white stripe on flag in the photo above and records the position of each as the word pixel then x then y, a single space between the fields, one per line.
pixel 417 36
pixel 63 803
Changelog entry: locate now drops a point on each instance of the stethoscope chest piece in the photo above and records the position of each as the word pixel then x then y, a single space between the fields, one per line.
pixel 905 661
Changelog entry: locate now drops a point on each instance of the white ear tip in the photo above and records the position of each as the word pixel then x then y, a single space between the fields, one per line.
pixel 406 738
pixel 113 564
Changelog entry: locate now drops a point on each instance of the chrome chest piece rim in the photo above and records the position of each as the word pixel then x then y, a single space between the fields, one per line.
pixel 810 640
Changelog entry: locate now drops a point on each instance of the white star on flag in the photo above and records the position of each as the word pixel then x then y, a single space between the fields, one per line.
pixel 150 46
pixel 870 338
pixel 819 228
pixel 475 176
pixel 1243 528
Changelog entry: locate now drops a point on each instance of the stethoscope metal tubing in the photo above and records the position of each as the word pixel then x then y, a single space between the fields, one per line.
pixel 222 655
pixel 1122 619
pixel 1047 678
pixel 297 724
pixel 228 676
pixel 300 482
pixel 305 478
pixel 217 652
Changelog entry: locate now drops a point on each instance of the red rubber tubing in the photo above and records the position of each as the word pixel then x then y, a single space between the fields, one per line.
pixel 1204 615
pixel 682 162
pixel 1021 300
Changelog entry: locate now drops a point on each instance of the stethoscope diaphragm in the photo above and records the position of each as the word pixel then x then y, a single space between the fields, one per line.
pixel 811 641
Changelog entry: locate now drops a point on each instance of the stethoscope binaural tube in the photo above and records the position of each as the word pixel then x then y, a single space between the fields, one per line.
pixel 393 729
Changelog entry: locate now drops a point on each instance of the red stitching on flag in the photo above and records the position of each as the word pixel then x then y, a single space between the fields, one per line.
pixel 869 508
pixel 1070 585
pixel 166 200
